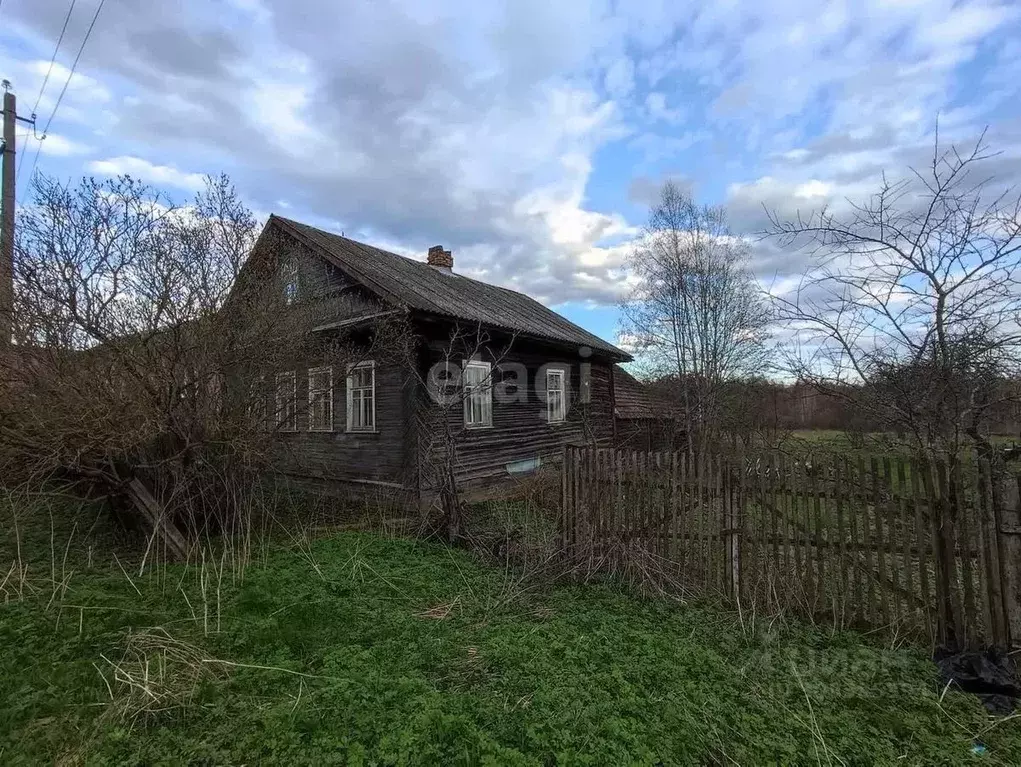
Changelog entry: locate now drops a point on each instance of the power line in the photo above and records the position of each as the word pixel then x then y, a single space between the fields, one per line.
pixel 67 82
pixel 53 58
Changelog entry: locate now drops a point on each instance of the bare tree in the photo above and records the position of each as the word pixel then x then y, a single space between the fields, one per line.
pixel 441 422
pixel 142 367
pixel 911 309
pixel 696 314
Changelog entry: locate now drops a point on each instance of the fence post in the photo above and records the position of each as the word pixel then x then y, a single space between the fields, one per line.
pixel 737 517
pixel 1010 535
pixel 566 511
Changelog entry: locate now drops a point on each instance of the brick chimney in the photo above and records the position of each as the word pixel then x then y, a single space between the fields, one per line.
pixel 440 258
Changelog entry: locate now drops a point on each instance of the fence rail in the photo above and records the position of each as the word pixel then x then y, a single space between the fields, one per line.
pixel 914 547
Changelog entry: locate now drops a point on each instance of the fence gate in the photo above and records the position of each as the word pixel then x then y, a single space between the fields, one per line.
pixel 915 548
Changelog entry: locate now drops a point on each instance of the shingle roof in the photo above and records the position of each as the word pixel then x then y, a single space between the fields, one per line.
pixel 634 399
pixel 424 288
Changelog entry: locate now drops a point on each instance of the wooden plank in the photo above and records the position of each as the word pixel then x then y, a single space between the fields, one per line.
pixel 878 575
pixel 940 587
pixel 965 546
pixel 713 510
pixel 772 509
pixel 957 629
pixel 865 566
pixel 761 568
pixel 819 550
pixel 645 470
pixel 923 547
pixel 711 523
pixel 998 619
pixel 681 513
pixel 620 509
pixel 663 486
pixel 579 501
pixel 790 562
pixel 907 527
pixel 883 569
pixel 892 519
pixel 721 509
pixel 888 570
pixel 159 522
pixel 738 547
pixel 840 582
pixel 702 488
pixel 674 501
pixel 805 535
pixel 566 500
pixel 983 564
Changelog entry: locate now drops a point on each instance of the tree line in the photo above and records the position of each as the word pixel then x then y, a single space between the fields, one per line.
pixel 907 318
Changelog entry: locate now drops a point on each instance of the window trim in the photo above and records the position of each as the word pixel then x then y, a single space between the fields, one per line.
pixel 328 370
pixel 562 375
pixel 280 424
pixel 349 395
pixel 487 404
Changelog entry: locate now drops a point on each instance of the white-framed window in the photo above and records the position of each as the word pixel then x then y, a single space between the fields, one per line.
pixel 361 396
pixel 320 399
pixel 289 278
pixel 556 396
pixel 478 394
pixel 286 401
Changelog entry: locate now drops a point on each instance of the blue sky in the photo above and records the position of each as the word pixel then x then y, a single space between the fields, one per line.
pixel 527 137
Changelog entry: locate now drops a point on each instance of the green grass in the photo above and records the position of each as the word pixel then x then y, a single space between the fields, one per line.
pixel 364 650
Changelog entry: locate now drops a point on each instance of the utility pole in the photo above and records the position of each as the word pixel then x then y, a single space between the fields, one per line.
pixel 7 224
pixel 7 202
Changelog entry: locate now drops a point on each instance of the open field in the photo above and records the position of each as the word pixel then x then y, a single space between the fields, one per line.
pixel 835 440
pixel 358 649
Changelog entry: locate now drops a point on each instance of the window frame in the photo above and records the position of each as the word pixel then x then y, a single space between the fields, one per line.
pixel 557 373
pixel 289 273
pixel 281 423
pixel 328 370
pixel 486 407
pixel 349 396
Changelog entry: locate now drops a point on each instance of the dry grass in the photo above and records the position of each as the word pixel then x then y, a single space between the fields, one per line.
pixel 154 674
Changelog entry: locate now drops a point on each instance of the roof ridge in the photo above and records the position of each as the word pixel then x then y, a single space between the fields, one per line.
pixel 455 295
pixel 361 244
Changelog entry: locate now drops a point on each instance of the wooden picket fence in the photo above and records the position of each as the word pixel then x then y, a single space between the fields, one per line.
pixel 916 548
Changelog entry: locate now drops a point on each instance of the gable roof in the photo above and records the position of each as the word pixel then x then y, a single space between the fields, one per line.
pixel 634 400
pixel 424 288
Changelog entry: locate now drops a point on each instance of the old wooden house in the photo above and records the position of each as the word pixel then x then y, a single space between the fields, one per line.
pixel 645 420
pixel 442 376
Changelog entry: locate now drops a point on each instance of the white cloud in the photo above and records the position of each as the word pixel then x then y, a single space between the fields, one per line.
pixel 482 126
pixel 144 170
pixel 59 146
pixel 620 77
